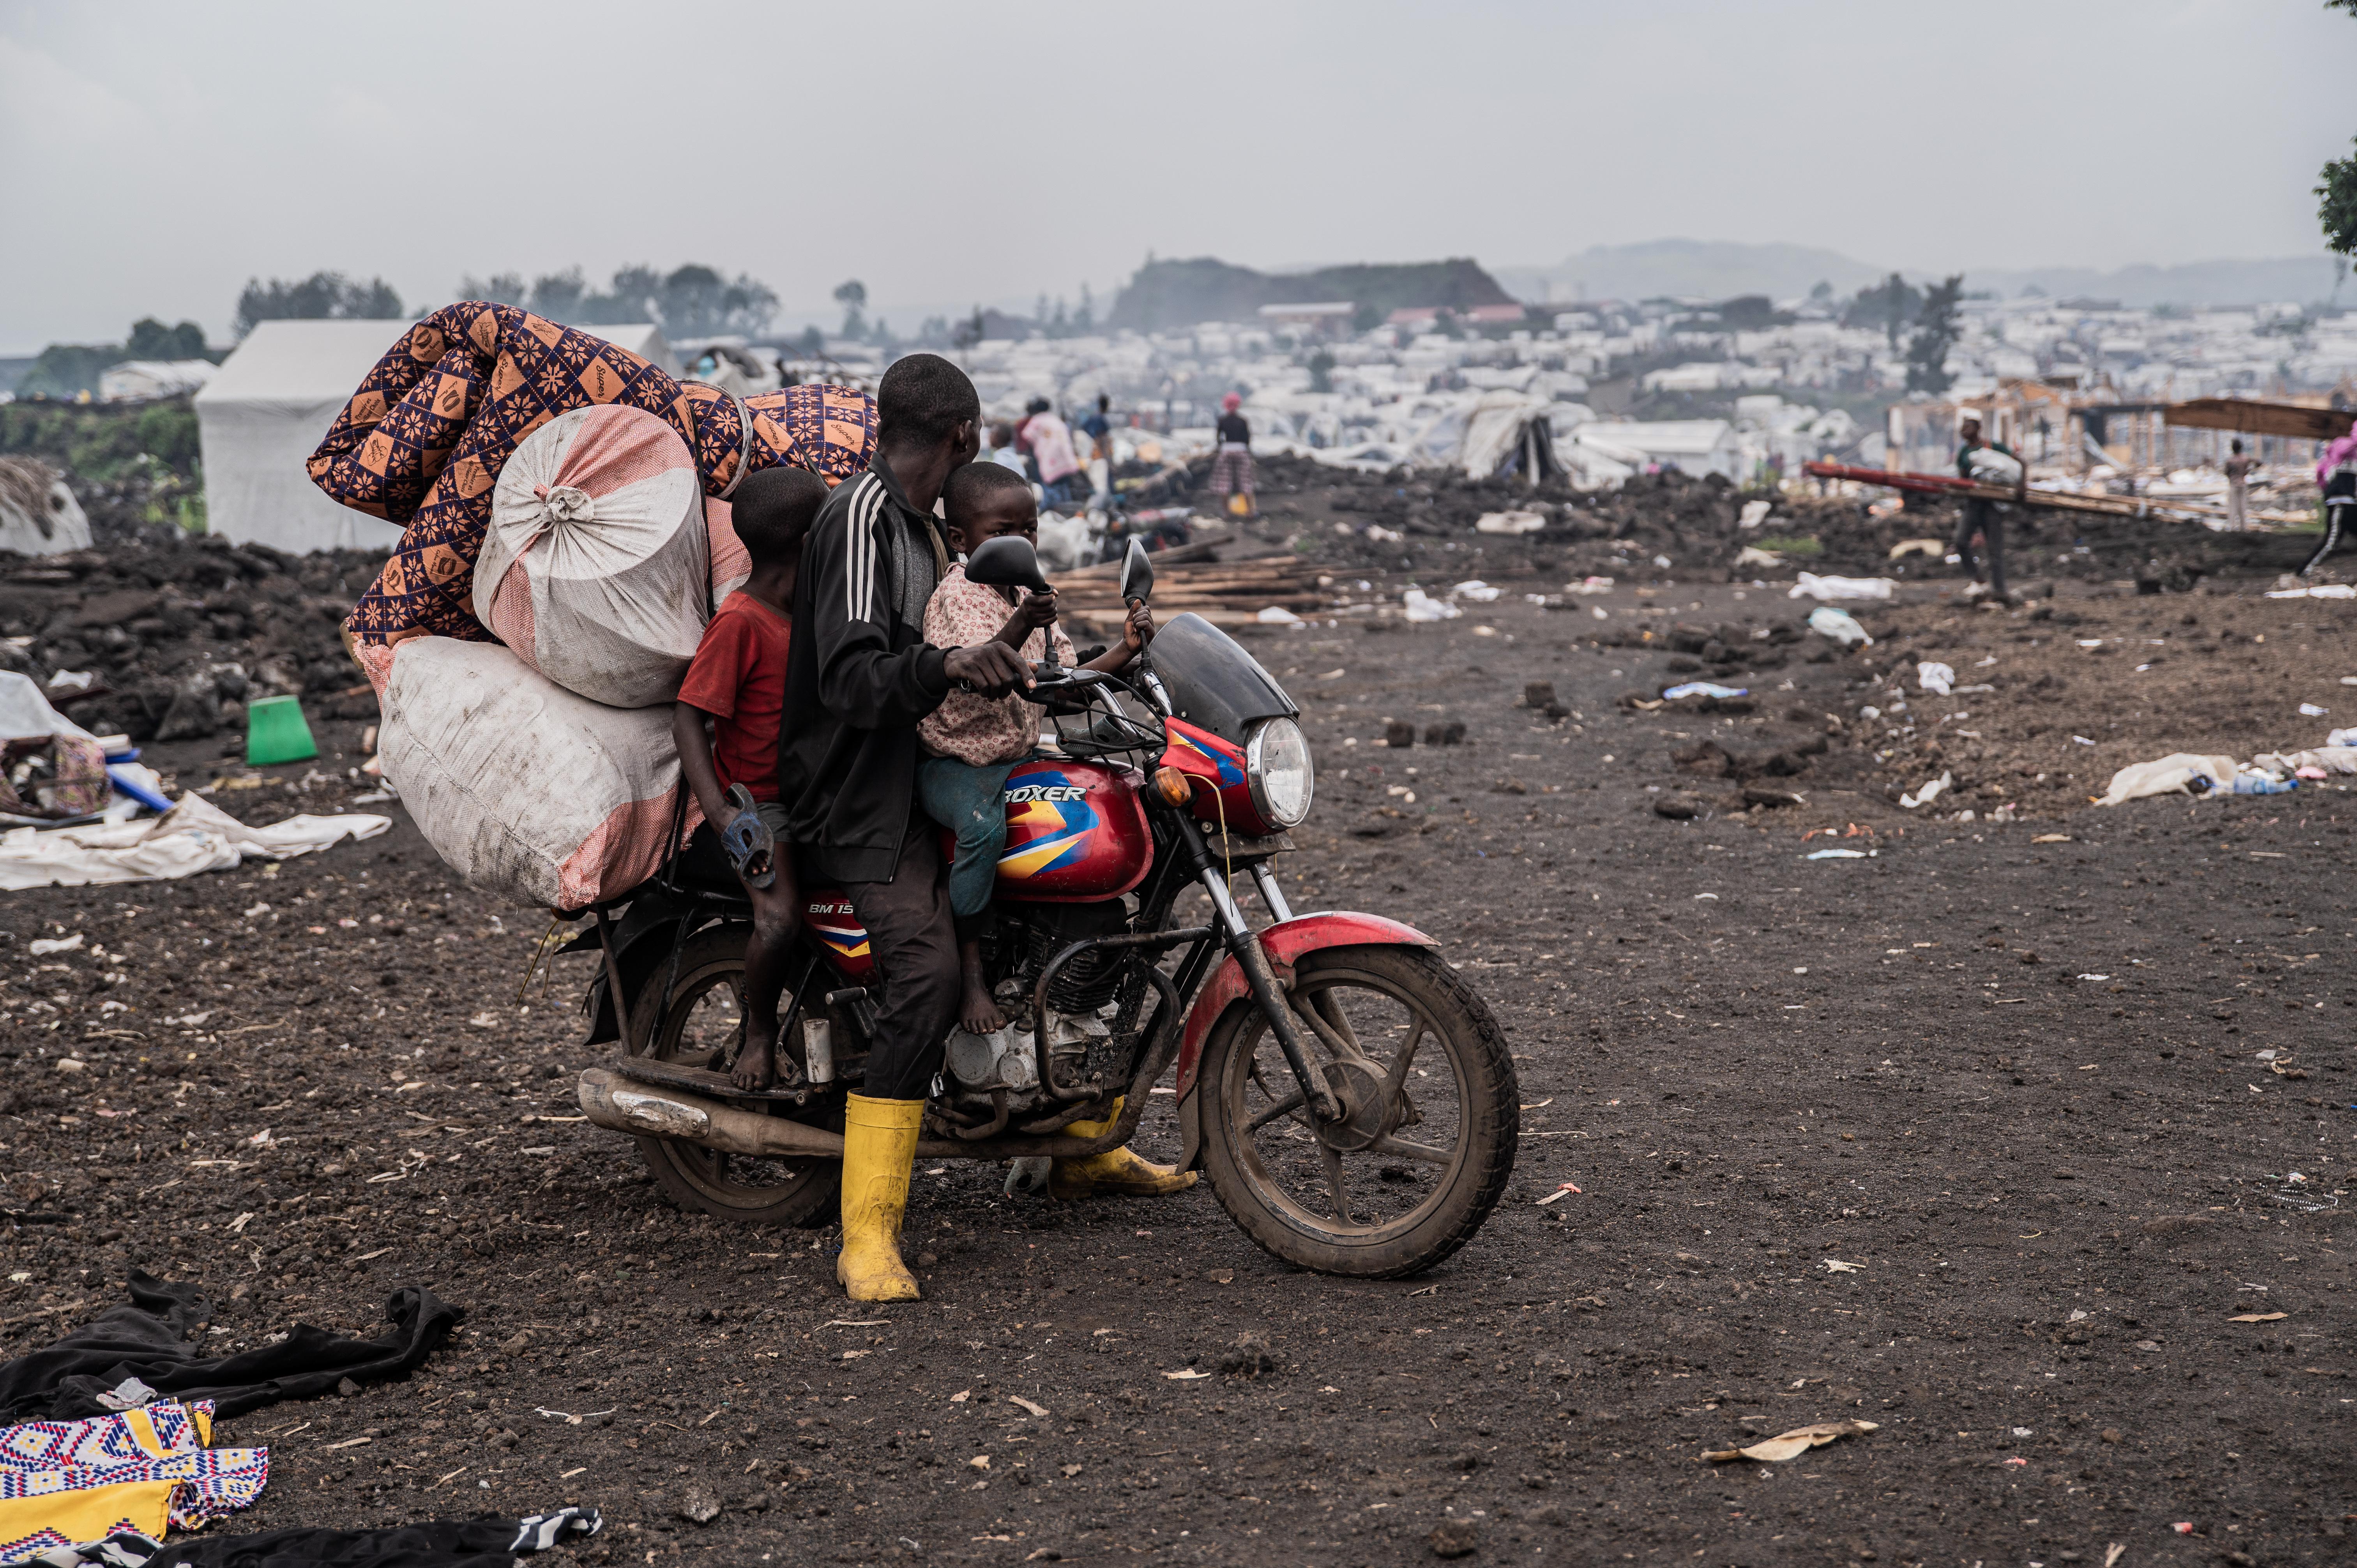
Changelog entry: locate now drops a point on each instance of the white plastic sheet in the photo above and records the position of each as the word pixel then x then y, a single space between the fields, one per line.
pixel 1812 586
pixel 194 836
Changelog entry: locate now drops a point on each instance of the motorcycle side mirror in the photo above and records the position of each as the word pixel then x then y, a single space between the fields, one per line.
pixel 1005 562
pixel 1137 574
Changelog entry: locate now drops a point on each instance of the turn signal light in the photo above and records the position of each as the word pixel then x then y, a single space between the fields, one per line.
pixel 1174 787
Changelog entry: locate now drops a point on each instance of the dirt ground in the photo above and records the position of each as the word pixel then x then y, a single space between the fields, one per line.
pixel 1973 1136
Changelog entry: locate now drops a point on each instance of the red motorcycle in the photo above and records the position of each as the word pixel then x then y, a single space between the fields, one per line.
pixel 1351 1099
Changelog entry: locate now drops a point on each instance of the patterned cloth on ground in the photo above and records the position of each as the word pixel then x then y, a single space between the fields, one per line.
pixel 144 1470
pixel 440 1543
pixel 423 440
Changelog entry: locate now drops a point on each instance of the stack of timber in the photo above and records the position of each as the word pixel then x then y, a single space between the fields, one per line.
pixel 2052 500
pixel 1229 594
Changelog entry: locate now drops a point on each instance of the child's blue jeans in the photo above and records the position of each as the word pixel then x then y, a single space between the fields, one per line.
pixel 970 802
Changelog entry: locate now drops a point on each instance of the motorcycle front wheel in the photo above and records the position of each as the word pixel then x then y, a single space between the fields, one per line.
pixel 1431 1116
pixel 702 1024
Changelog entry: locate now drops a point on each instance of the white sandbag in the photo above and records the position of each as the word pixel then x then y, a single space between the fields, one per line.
pixel 596 568
pixel 1991 466
pixel 2172 774
pixel 528 790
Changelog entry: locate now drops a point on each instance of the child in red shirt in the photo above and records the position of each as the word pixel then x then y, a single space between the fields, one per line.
pixel 738 684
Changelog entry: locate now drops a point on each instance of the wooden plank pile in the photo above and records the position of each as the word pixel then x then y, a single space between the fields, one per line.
pixel 1228 594
pixel 2052 500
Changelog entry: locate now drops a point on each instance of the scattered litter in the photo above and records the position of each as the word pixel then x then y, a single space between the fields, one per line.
pixel 2094 977
pixel 1840 855
pixel 1704 689
pixel 1420 607
pixel 2310 711
pixel 1812 586
pixel 2184 1526
pixel 1752 555
pixel 1835 1266
pixel 1928 792
pixel 1589 585
pixel 2080 740
pixel 568 1417
pixel 2180 773
pixel 42 947
pixel 2051 838
pixel 1936 549
pixel 1027 1404
pixel 1277 615
pixel 1185 1375
pixel 2322 591
pixel 2113 1553
pixel 1938 679
pixel 1509 522
pixel 1479 592
pixel 1754 514
pixel 1793 1444
pixel 1559 1192
pixel 2258 1317
pixel 1839 625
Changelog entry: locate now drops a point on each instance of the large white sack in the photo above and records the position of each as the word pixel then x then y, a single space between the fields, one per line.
pixel 596 568
pixel 528 790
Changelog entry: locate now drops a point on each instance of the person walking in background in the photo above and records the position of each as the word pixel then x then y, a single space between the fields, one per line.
pixel 2336 475
pixel 1098 427
pixel 1987 463
pixel 1051 448
pixel 1231 467
pixel 2238 489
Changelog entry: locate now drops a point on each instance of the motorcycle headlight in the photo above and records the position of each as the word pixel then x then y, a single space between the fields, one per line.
pixel 1276 764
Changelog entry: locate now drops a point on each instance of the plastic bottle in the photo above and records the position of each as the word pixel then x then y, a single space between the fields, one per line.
pixel 2262 784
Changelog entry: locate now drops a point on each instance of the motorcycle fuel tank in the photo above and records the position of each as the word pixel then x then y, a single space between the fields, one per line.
pixel 1074 831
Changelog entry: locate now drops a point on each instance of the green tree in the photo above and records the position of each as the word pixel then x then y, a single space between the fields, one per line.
pixel 1889 305
pixel 1322 372
pixel 1936 330
pixel 852 294
pixel 151 340
pixel 322 296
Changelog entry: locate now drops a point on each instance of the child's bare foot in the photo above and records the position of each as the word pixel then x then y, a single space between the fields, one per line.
pixel 978 1011
pixel 754 1070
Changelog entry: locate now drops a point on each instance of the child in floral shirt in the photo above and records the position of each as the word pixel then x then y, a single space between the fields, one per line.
pixel 971 741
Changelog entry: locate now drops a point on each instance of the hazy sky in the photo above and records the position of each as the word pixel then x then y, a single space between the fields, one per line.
pixel 152 156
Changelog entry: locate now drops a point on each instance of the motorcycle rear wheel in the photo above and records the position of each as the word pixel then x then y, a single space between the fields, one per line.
pixel 1410 1175
pixel 702 1021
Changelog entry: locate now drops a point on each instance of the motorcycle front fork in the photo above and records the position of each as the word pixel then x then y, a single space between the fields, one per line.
pixel 1245 949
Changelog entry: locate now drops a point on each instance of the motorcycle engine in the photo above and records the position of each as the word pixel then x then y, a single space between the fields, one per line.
pixel 1017 951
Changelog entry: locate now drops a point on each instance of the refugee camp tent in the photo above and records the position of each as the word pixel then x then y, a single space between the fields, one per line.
pixel 138 380
pixel 259 418
pixel 1697 447
pixel 1508 432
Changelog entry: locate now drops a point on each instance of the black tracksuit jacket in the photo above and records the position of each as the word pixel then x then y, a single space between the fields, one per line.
pixel 859 676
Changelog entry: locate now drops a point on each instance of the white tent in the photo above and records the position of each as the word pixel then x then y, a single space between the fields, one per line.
pixel 260 417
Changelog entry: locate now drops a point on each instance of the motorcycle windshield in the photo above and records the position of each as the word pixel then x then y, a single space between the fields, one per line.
pixel 1212 681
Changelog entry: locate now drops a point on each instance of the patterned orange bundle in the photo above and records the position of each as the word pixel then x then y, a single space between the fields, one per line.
pixel 424 437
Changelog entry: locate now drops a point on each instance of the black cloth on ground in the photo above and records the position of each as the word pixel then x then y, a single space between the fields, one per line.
pixel 147 1340
pixel 441 1543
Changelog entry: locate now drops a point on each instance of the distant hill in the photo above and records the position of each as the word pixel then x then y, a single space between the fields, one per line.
pixel 1715 269
pixel 1179 294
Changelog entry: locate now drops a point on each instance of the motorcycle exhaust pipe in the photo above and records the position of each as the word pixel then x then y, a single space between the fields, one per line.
pixel 644 1112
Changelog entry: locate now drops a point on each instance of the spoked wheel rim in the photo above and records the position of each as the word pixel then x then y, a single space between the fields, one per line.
pixel 705 1027
pixel 1391 1162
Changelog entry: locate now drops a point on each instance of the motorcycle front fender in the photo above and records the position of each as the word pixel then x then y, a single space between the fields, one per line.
pixel 1285 943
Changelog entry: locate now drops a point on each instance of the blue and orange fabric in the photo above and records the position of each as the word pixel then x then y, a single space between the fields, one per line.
pixel 146 1469
pixel 424 437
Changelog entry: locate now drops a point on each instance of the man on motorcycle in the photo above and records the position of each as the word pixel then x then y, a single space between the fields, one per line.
pixel 859 678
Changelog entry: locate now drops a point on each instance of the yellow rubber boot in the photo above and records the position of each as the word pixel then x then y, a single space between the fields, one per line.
pixel 879 1146
pixel 1119 1172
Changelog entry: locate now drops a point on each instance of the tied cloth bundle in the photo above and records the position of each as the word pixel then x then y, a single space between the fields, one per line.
pixel 422 439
